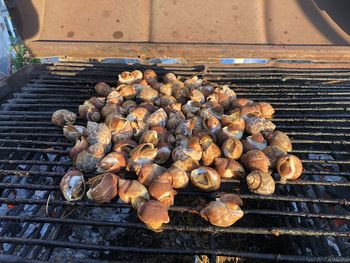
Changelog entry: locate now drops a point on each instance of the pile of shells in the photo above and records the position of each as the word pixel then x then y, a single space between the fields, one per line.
pixel 168 135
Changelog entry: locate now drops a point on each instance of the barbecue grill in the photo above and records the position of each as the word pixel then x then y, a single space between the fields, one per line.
pixel 306 220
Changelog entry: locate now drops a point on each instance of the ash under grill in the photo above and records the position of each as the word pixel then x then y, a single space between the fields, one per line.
pixel 305 220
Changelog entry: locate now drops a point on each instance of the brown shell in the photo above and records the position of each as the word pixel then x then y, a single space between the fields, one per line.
pixel 274 153
pixel 142 154
pixel 126 77
pixel 166 89
pixel 197 95
pixel 279 139
pixel 153 214
pixel 193 82
pixel 149 136
pixel 103 89
pixel 86 161
pixel 149 172
pixel 164 152
pixel 232 148
pixel 221 99
pixel 73 132
pixel 241 102
pixel 206 89
pixel 98 102
pixel 187 165
pixel 157 118
pixel 266 110
pixel 260 182
pixel 175 118
pixel 80 145
pixel 210 151
pixel 62 117
pixel 147 94
pixel 220 214
pixel 254 142
pixel 232 131
pixel 129 191
pixel 138 128
pixel 150 76
pixel 212 124
pixel 186 127
pixel 138 113
pixel 129 105
pixel 101 134
pixel 115 97
pixel 205 179
pixel 191 107
pixel 128 92
pixel 89 112
pixel 233 118
pixel 110 108
pixel 112 162
pixel 169 77
pixel 251 110
pixel 255 125
pixel 180 178
pixel 160 189
pixel 123 130
pixel 125 146
pixel 72 185
pixel 228 168
pixel 289 167
pixel 255 160
pixel 192 149
pixel 103 188
pixel 149 106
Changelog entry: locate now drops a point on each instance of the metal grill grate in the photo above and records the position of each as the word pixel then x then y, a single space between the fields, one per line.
pixel 305 220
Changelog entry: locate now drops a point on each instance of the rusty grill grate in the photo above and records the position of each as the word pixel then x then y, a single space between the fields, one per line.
pixel 305 220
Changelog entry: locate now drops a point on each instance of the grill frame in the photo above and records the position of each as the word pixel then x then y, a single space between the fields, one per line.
pixel 15 112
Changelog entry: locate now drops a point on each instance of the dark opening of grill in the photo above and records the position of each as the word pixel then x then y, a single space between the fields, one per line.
pixel 305 220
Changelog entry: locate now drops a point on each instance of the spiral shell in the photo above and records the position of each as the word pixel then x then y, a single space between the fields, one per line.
pixel 115 97
pixel 157 118
pixel 161 189
pixel 141 155
pixel 212 124
pixel 62 117
pixel 233 118
pixel 103 89
pixel 191 108
pixel 151 77
pixel 210 151
pixel 111 108
pixel 130 191
pixel 128 92
pixel 193 83
pixel 255 160
pixel 274 153
pixel 254 142
pixel 149 172
pixel 101 134
pixel 125 146
pixel 103 188
pixel 260 182
pixel 98 102
pixel 138 128
pixel 192 149
pixel 164 150
pixel 147 94
pixel 129 105
pixel 175 118
pixel 232 148
pixel 166 89
pixel 223 212
pixel 121 129
pixel 251 110
pixel 241 102
pixel 228 168
pixel 127 77
pixel 73 185
pixel 266 110
pixel 279 139
pixel 289 167
pixel 153 214
pixel 232 131
pixel 187 165
pixel 112 162
pixel 138 113
pixel 205 179
pixel 180 178
pixel 149 136
pixel 89 112
pixel 197 95
pixel 255 125
pixel 186 127
pixel 86 160
pixel 80 145
pixel 169 77
pixel 73 132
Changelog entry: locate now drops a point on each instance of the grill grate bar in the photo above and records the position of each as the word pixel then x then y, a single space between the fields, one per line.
pixel 289 198
pixel 217 252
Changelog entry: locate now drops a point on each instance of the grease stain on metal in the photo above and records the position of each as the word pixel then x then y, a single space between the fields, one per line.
pixel 118 34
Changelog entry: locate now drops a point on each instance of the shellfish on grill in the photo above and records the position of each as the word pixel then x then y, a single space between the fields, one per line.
pixel 289 167
pixel 260 182
pixel 103 188
pixel 72 185
pixel 62 117
pixel 205 178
